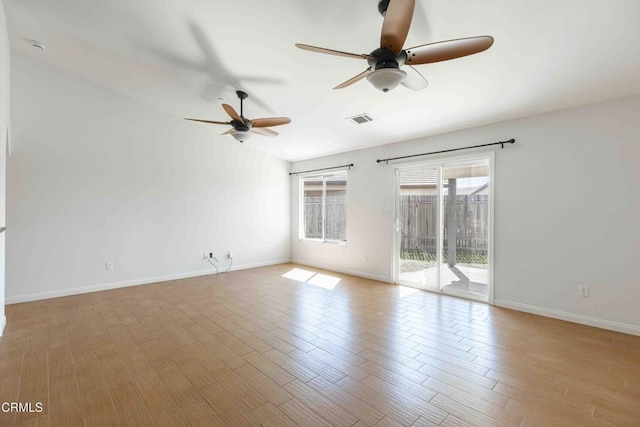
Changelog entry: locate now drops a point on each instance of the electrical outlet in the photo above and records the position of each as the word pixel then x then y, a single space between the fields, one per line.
pixel 204 255
pixel 230 254
pixel 108 266
pixel 583 290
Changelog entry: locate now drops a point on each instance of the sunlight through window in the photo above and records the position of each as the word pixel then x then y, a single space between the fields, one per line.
pixel 312 278
pixel 405 290
pixel 324 281
pixel 299 274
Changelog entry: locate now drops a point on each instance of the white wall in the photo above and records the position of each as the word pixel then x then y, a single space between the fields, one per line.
pixel 566 212
pixel 4 123
pixel 97 177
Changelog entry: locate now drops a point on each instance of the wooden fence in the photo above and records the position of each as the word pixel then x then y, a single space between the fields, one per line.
pixel 418 222
pixel 335 221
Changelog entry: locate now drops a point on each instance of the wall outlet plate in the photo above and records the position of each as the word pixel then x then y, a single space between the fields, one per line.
pixel 583 290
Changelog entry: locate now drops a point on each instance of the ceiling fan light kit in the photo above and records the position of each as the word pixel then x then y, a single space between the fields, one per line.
pixel 241 135
pixel 384 63
pixel 386 79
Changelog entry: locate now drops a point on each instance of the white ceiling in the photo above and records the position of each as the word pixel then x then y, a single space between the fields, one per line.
pixel 184 56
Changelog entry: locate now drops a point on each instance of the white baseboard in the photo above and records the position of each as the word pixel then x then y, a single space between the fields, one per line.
pixel 136 282
pixel 571 317
pixel 3 323
pixel 342 270
pixel 258 264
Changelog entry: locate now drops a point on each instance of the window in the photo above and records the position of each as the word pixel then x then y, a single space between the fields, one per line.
pixel 323 214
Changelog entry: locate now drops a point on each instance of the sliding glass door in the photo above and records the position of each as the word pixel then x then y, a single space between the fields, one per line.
pixel 417 227
pixel 464 263
pixel 443 223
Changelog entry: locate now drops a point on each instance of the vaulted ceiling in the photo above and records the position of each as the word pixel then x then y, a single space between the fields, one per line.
pixel 186 57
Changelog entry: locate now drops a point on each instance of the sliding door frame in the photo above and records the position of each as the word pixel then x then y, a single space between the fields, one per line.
pixel 438 163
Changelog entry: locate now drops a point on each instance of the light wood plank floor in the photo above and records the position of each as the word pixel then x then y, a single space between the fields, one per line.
pixel 255 348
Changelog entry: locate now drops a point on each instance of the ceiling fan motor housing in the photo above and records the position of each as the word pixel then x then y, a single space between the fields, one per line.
pixel 385 58
pixel 244 126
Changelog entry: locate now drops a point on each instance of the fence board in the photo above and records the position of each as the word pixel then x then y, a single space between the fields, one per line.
pixel 418 216
pixel 335 220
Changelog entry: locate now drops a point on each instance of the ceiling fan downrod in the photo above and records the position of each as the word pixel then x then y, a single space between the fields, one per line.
pixel 242 95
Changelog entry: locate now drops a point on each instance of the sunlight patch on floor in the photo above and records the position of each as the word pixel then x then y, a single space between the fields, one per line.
pixel 299 275
pixel 324 281
pixel 406 290
pixel 312 278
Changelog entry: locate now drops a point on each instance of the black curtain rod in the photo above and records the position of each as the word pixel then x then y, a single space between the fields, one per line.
pixel 322 169
pixel 501 143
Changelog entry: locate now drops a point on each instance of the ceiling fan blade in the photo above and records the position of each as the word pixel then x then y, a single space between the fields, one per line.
pixel 229 132
pixel 446 50
pixel 355 79
pixel 415 80
pixel 271 121
pixel 231 112
pixel 332 52
pixel 396 24
pixel 264 132
pixel 208 121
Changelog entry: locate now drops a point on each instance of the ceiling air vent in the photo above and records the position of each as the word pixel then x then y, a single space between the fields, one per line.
pixel 360 119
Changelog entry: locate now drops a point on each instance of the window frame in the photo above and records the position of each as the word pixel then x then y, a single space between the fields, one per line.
pixel 301 209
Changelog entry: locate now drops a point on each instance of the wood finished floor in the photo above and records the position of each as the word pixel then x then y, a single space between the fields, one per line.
pixel 255 348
